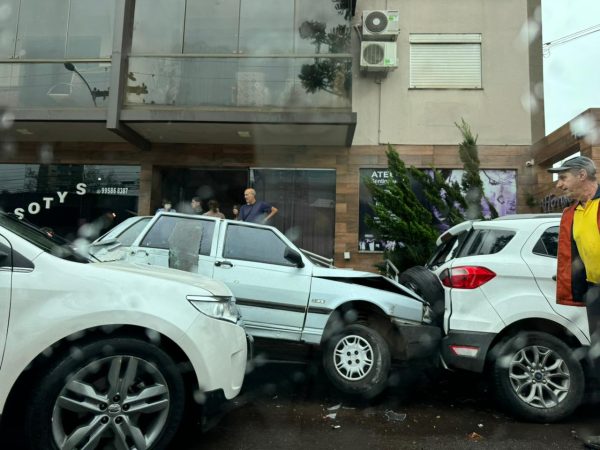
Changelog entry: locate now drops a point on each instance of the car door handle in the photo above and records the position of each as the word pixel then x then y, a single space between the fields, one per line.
pixel 223 263
pixel 554 277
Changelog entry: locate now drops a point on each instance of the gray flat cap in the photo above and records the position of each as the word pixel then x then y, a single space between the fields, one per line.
pixel 577 163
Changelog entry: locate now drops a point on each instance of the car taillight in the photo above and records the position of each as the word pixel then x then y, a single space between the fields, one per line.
pixel 466 277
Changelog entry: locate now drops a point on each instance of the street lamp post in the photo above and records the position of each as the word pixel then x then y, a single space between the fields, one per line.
pixel 71 68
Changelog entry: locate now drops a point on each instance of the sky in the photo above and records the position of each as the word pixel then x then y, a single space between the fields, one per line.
pixel 571 70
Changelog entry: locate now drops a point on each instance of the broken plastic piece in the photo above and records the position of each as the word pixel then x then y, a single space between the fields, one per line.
pixel 392 416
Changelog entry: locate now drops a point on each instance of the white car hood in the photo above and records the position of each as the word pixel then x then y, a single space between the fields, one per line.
pixel 327 272
pixel 214 287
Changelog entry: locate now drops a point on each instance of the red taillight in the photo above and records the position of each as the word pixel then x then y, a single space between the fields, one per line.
pixel 466 277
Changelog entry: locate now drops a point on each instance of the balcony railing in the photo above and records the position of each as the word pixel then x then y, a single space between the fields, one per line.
pixel 240 81
pixel 54 84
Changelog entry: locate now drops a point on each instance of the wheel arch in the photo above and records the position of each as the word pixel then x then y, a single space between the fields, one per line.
pixel 65 345
pixel 532 325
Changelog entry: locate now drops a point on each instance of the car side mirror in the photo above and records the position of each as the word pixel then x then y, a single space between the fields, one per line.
pixel 293 257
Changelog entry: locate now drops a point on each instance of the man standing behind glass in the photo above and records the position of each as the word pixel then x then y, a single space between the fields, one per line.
pixel 256 212
pixel 196 205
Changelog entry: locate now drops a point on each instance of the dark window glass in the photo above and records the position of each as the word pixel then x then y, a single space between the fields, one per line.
pixel 486 242
pixel 127 237
pixel 266 27
pixel 306 202
pixel 547 245
pixel 9 13
pixel 447 251
pixel 158 28
pixel 169 232
pixel 211 26
pixel 254 244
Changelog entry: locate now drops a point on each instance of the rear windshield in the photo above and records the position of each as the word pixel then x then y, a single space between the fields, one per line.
pixel 447 251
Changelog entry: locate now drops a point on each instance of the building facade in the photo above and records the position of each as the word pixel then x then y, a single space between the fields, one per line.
pixel 110 107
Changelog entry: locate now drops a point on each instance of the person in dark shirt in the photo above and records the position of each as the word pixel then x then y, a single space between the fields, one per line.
pixel 255 211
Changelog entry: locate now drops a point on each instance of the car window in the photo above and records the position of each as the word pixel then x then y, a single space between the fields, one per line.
pixel 254 244
pixel 127 237
pixel 486 242
pixel 168 230
pixel 547 245
pixel 447 251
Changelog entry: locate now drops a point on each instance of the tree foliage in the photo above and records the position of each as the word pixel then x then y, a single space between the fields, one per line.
pixel 471 182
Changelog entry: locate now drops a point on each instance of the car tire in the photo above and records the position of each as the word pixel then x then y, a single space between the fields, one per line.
pixel 426 284
pixel 109 391
pixel 357 361
pixel 537 378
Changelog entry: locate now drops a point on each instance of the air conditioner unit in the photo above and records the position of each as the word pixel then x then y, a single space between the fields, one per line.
pixel 378 56
pixel 380 25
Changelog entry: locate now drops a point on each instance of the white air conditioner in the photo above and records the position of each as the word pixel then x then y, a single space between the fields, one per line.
pixel 378 56
pixel 380 25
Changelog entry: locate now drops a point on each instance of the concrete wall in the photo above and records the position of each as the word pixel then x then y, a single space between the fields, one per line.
pixel 389 112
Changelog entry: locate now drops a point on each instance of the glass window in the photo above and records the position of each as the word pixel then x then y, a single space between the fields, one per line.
pixel 158 26
pixel 42 29
pixel 486 242
pixel 211 26
pixel 254 244
pixel 9 13
pixel 331 17
pixel 306 202
pixel 90 28
pixel 169 232
pixel 127 237
pixel 266 26
pixel 547 245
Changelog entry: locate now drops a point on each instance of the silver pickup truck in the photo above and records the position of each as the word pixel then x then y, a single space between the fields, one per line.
pixel 361 320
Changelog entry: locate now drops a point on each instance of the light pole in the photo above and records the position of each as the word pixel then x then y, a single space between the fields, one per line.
pixel 71 68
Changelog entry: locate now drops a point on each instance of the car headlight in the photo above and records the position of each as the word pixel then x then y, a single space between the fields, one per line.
pixel 222 308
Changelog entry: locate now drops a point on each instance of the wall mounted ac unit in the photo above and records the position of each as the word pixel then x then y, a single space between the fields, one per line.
pixel 380 25
pixel 378 56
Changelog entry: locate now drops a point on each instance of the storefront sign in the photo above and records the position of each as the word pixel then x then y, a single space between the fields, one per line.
pixel 35 207
pixel 499 186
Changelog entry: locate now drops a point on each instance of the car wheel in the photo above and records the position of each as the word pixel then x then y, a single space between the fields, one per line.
pixel 537 378
pixel 426 284
pixel 111 394
pixel 357 361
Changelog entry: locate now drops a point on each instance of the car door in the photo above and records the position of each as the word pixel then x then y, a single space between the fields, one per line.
pixel 5 290
pixel 177 241
pixel 539 252
pixel 272 292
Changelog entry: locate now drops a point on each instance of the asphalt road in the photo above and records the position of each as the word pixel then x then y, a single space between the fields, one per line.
pixel 293 406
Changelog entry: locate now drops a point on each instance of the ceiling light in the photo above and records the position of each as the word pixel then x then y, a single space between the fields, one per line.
pixel 244 134
pixel 24 131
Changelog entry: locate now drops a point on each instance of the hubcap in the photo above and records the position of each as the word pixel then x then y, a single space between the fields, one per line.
pixel 119 402
pixel 539 376
pixel 353 357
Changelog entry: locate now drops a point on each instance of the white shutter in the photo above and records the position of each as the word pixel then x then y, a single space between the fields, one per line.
pixel 445 61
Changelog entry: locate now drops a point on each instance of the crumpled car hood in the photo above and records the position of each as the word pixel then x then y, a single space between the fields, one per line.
pixel 367 279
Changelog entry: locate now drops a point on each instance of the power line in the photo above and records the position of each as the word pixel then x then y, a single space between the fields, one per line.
pixel 571 37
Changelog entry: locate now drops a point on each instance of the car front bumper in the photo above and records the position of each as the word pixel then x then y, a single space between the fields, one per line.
pixel 466 350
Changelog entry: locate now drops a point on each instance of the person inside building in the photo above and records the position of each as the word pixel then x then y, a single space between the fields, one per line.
pixel 256 211
pixel 578 272
pixel 167 206
pixel 236 212
pixel 213 210
pixel 196 205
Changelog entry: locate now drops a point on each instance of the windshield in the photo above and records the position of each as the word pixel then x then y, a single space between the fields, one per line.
pixel 55 245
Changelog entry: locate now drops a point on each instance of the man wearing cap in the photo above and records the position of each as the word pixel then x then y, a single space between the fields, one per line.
pixel 578 274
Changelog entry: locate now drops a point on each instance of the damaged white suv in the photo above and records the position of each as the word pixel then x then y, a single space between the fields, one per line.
pixel 361 320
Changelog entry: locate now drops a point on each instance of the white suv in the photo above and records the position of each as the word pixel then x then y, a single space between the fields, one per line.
pixel 107 355
pixel 501 314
